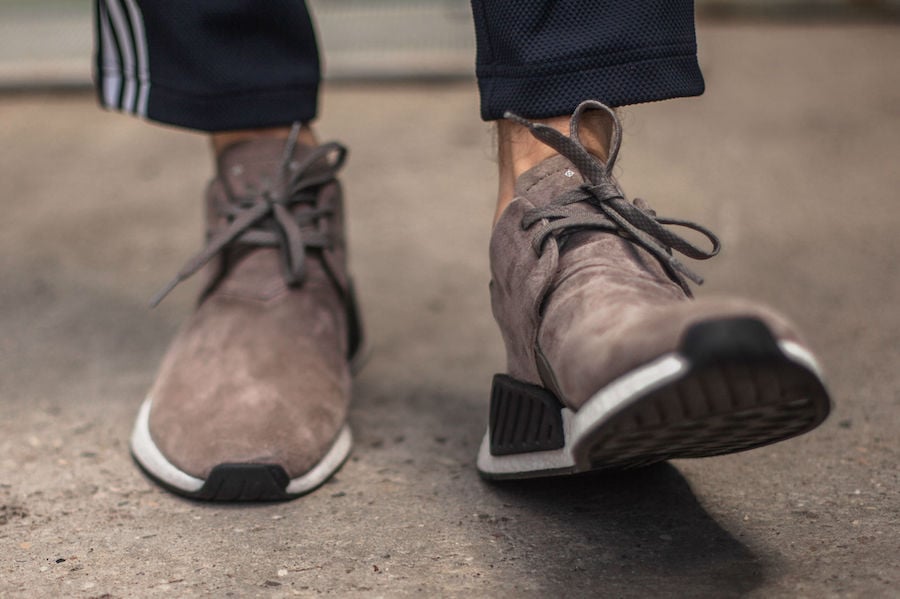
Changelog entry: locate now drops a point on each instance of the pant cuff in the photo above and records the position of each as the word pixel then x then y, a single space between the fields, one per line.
pixel 231 111
pixel 546 95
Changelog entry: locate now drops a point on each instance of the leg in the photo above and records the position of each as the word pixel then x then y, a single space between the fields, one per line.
pixel 609 363
pixel 541 62
pixel 518 151
pixel 207 65
pixel 251 399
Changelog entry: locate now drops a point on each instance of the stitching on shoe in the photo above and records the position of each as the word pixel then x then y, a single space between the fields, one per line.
pixel 548 175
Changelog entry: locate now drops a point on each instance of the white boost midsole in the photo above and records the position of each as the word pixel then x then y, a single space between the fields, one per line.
pixel 149 455
pixel 601 406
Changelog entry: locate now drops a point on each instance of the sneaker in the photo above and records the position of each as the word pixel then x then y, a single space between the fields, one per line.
pixel 610 363
pixel 250 402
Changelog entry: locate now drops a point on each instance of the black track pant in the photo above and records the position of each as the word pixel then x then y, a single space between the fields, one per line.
pixel 216 65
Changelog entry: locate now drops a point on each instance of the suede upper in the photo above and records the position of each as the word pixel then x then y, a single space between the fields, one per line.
pixel 591 306
pixel 259 374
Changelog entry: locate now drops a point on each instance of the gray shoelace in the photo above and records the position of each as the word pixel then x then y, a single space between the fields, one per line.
pixel 633 221
pixel 268 218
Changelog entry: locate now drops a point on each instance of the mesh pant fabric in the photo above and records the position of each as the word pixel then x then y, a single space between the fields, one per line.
pixel 546 56
pixel 210 65
pixel 215 65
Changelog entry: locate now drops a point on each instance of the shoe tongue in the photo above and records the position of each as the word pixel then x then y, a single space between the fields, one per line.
pixel 250 167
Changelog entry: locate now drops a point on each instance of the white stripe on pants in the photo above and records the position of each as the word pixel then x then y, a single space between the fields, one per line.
pixel 124 62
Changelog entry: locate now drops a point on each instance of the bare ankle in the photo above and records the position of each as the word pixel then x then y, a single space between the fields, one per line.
pixel 518 151
pixel 223 139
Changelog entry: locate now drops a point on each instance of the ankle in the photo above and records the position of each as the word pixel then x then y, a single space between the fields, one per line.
pixel 223 139
pixel 518 151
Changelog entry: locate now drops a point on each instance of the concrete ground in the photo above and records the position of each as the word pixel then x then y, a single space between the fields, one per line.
pixel 791 156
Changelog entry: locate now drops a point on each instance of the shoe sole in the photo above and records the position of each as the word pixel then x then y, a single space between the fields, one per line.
pixel 233 482
pixel 240 481
pixel 730 387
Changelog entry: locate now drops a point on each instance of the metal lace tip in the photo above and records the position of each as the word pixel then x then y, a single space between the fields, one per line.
pixel 510 116
pixel 290 144
pixel 697 279
pixel 686 272
pixel 162 293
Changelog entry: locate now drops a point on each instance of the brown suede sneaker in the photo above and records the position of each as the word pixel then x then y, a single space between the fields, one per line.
pixel 251 400
pixel 610 362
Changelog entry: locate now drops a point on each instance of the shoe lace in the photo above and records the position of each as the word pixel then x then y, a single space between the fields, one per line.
pixel 267 218
pixel 633 221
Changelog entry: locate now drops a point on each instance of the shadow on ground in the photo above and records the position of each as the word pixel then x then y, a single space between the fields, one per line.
pixel 641 532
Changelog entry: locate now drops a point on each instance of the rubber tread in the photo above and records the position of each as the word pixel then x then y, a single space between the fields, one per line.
pixel 739 391
pixel 685 420
pixel 523 418
pixel 245 482
pixel 235 483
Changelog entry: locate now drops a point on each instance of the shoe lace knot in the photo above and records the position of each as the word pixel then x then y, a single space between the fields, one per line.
pixel 270 217
pixel 634 221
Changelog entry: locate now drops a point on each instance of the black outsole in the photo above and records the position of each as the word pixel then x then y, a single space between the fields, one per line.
pixel 523 418
pixel 245 482
pixel 740 391
pixel 730 339
pixel 236 483
pixel 719 408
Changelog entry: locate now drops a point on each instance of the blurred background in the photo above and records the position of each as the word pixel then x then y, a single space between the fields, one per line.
pixel 48 43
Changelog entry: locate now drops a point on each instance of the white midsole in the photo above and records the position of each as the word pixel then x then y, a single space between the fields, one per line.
pixel 800 354
pixel 618 394
pixel 534 461
pixel 149 455
pixel 601 406
pixel 327 466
